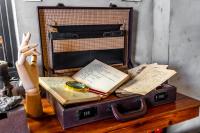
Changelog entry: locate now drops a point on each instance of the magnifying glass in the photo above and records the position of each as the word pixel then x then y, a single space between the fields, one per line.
pixel 77 86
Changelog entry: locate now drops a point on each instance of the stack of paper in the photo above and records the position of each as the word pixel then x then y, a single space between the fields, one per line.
pixel 145 78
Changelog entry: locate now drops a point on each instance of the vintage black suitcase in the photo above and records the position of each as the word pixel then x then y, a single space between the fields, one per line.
pixel 122 109
pixel 72 37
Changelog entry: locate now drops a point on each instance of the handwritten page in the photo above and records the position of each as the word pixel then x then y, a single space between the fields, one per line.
pixel 136 70
pixel 100 76
pixel 148 79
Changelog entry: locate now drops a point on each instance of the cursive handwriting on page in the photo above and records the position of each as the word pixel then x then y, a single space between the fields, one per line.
pixel 147 80
pixel 99 76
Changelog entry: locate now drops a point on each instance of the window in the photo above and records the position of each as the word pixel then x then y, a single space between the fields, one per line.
pixel 8 45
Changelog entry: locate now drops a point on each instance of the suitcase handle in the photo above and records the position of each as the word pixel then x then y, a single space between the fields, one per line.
pixel 132 114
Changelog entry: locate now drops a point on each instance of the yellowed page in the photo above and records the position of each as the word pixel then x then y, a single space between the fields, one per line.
pixel 147 80
pixel 136 70
pixel 56 86
pixel 100 76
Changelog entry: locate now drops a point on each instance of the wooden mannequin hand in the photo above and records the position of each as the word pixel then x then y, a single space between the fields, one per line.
pixel 28 71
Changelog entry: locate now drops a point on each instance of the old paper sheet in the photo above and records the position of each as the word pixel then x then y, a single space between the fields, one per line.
pixel 100 76
pixel 56 86
pixel 136 70
pixel 147 80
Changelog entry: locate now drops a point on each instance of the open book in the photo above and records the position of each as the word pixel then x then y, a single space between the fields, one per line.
pixel 97 76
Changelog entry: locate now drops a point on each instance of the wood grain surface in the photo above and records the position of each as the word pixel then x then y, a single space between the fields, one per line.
pixel 157 117
pixel 1 40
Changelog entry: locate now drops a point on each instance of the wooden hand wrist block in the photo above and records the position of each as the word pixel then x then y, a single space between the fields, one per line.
pixel 33 105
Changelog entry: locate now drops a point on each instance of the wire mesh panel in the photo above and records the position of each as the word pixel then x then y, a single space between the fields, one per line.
pixel 49 16
pixel 88 44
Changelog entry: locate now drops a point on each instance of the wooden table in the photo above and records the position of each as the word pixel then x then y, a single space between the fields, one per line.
pixel 157 117
pixel 1 40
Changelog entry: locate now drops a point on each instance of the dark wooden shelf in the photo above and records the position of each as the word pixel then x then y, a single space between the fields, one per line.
pixel 157 117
